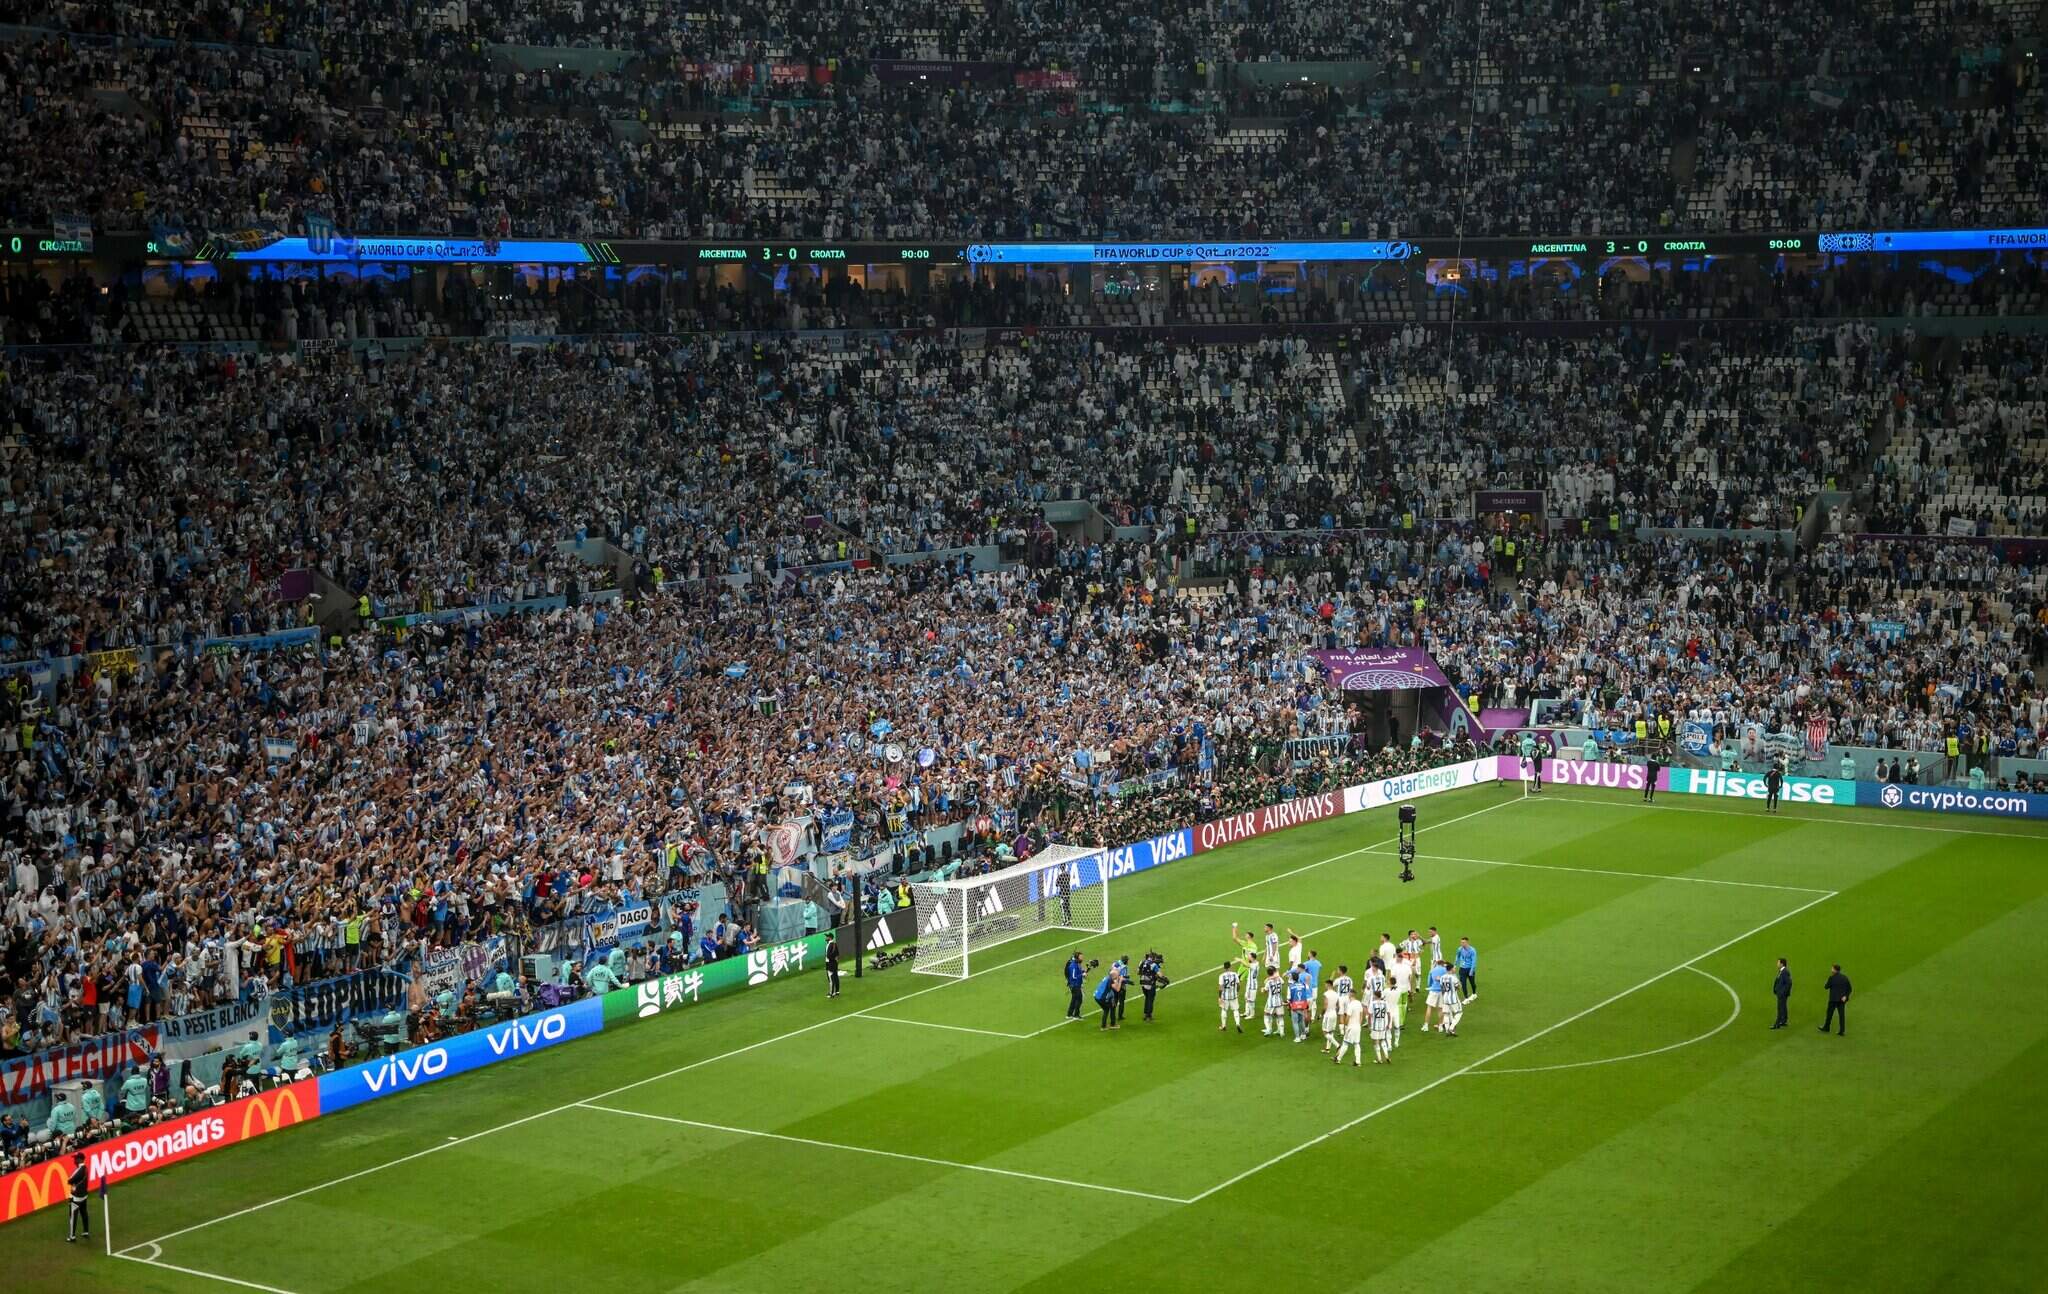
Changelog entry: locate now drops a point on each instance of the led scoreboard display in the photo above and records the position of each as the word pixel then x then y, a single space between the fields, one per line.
pixel 424 249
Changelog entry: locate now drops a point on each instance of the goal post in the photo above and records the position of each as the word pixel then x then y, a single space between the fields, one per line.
pixel 1062 887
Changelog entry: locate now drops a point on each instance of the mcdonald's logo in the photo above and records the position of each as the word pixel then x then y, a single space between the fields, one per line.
pixel 278 1108
pixel 36 1188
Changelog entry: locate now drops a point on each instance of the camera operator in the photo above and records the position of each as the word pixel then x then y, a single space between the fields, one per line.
pixel 1152 978
pixel 1077 978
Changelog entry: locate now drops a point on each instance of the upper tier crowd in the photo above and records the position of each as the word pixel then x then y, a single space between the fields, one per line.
pixel 158 498
pixel 739 121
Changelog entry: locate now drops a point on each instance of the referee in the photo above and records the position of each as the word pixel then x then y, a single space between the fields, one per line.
pixel 81 1221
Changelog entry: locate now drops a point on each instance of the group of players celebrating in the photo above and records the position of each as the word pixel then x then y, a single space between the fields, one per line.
pixel 1373 1007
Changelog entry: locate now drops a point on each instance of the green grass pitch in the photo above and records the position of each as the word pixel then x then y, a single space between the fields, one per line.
pixel 1615 1114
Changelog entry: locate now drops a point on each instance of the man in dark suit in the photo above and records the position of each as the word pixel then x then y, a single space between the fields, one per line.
pixel 1838 1001
pixel 1782 988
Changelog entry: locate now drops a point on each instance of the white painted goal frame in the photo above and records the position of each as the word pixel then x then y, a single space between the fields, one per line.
pixel 1062 887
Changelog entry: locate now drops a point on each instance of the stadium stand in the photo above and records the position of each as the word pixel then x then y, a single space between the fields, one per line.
pixel 429 606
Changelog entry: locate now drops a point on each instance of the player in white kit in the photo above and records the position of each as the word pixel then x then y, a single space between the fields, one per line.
pixel 1354 1017
pixel 1452 1007
pixel 1382 1022
pixel 1404 984
pixel 1276 1004
pixel 1330 1000
pixel 1411 948
pixel 1227 999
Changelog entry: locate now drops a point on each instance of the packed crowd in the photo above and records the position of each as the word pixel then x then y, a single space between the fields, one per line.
pixel 395 121
pixel 449 477
pixel 1872 638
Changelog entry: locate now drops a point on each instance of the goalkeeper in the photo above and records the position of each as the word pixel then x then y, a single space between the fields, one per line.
pixel 1247 965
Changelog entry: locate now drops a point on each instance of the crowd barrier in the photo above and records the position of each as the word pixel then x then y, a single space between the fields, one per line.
pixel 176 1140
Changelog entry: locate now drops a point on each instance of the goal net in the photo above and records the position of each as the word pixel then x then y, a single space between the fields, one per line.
pixel 1059 888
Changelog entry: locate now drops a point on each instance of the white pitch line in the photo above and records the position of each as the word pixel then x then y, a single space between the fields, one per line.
pixel 1733 1012
pixel 1890 823
pixel 1433 1084
pixel 1609 871
pixel 886 1154
pixel 1338 917
pixel 764 1042
pixel 203 1275
pixel 933 1024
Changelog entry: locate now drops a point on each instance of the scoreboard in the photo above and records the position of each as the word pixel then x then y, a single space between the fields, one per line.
pixel 418 249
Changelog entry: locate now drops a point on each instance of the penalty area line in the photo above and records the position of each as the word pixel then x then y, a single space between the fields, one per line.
pixel 886 1154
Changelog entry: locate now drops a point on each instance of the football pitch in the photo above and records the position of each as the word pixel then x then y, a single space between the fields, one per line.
pixel 1615 1114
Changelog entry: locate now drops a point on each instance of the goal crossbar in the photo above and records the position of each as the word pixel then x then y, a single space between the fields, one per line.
pixel 1062 887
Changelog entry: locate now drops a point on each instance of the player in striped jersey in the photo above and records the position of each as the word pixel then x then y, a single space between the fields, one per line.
pixel 1276 1005
pixel 1411 948
pixel 1342 984
pixel 1227 999
pixel 1375 981
pixel 1452 1007
pixel 1273 947
pixel 1382 1022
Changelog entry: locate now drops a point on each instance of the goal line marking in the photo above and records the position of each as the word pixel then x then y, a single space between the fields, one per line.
pixel 886 1154
pixel 1460 1072
pixel 1609 871
pixel 450 1144
pixel 194 1271
pixel 933 1024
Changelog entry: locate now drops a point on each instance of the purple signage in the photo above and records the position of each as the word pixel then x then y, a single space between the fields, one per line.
pixel 1380 669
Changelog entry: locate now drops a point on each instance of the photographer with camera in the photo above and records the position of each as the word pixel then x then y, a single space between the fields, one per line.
pixel 1152 978
pixel 1077 978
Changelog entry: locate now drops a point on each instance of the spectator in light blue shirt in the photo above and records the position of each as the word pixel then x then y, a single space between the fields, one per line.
pixel 1468 969
pixel 600 978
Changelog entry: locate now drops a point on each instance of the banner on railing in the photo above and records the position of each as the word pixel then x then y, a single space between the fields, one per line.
pixel 185 1037
pixel 326 1003
pixel 29 1078
pixel 446 970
